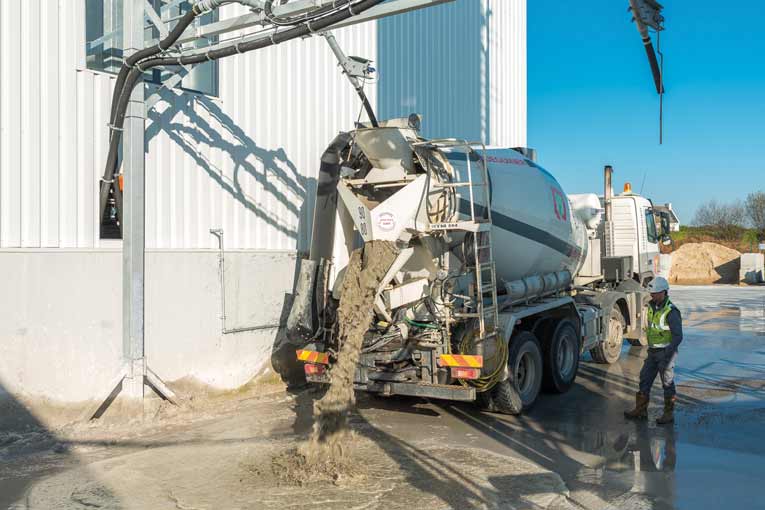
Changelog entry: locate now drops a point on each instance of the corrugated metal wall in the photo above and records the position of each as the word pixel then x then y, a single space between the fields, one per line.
pixel 469 76
pixel 247 160
pixel 244 162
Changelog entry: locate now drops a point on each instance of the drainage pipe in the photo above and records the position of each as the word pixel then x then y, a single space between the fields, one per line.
pixel 218 232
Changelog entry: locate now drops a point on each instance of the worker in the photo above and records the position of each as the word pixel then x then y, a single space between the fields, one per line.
pixel 665 332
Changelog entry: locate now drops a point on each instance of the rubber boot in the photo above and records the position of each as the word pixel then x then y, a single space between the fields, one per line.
pixel 669 412
pixel 641 408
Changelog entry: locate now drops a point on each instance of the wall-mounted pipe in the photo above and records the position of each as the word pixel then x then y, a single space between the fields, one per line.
pixel 218 232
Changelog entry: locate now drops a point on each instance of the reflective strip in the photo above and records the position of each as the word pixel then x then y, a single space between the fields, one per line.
pixel 460 360
pixel 663 313
pixel 313 357
pixel 663 319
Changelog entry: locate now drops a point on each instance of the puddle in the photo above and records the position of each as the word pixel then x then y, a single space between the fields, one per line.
pixel 723 308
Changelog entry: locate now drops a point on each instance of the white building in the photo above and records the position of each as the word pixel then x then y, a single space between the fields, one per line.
pixel 674 220
pixel 240 155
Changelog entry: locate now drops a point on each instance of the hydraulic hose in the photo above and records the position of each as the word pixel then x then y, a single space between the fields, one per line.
pixel 133 71
pixel 201 7
pixel 291 21
pixel 119 85
pixel 162 45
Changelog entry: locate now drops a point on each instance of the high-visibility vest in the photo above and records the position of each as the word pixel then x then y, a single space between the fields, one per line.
pixel 658 332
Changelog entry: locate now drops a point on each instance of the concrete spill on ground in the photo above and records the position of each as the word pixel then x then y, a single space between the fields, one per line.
pixel 326 455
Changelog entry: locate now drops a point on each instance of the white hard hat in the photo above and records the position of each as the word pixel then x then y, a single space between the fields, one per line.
pixel 658 285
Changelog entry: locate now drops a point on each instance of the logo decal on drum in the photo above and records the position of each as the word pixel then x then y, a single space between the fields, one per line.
pixel 386 222
pixel 559 204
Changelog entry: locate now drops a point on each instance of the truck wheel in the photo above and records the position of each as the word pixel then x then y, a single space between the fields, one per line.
pixel 520 391
pixel 561 356
pixel 610 349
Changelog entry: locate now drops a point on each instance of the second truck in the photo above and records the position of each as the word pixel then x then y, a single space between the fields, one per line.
pixel 501 283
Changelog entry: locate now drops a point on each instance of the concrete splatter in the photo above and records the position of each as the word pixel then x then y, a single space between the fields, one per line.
pixel 325 455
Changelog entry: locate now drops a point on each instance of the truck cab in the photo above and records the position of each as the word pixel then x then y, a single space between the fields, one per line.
pixel 635 234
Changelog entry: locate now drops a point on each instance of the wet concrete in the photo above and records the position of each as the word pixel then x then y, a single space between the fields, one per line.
pixel 714 455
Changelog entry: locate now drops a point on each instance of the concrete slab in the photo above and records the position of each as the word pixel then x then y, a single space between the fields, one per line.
pixel 445 455
pixel 752 268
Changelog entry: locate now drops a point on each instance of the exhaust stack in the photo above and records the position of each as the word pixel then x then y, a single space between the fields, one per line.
pixel 608 194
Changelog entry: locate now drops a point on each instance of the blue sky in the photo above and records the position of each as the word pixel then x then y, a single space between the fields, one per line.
pixel 592 101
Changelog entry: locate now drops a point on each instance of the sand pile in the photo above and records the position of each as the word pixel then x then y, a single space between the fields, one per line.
pixel 324 456
pixel 704 263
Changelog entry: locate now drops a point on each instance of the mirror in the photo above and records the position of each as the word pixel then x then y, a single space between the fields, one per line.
pixel 666 240
pixel 664 217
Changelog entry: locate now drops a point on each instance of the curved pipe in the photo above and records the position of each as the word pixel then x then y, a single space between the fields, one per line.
pixel 133 74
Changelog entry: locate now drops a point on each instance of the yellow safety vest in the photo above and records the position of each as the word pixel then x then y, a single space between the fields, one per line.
pixel 658 332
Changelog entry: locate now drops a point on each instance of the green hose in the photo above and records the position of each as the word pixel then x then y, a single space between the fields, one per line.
pixel 420 324
pixel 485 383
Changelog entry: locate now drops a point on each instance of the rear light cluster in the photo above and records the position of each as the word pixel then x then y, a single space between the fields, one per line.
pixel 311 369
pixel 466 373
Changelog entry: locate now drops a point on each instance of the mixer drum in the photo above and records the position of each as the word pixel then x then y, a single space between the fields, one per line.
pixel 534 231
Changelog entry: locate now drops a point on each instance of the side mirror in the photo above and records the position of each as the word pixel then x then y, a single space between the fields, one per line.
pixel 664 219
pixel 666 240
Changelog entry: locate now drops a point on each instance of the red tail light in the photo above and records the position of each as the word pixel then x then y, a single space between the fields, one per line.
pixel 311 369
pixel 466 373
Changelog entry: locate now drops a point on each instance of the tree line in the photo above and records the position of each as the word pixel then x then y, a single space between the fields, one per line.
pixel 727 220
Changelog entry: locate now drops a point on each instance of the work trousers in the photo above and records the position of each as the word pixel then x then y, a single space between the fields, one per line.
pixel 657 363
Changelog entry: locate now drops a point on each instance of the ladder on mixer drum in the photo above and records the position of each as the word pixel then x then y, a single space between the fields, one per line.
pixel 485 292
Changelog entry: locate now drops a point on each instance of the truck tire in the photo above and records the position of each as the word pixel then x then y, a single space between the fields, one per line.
pixel 561 357
pixel 520 391
pixel 608 351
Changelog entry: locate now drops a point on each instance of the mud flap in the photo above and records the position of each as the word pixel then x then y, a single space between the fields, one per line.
pixel 302 323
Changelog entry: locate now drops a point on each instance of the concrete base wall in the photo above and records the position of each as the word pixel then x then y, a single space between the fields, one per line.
pixel 61 327
pixel 752 268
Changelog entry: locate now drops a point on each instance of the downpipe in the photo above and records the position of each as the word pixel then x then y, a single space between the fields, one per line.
pixel 218 233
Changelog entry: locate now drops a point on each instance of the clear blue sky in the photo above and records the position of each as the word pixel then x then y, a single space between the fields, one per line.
pixel 592 100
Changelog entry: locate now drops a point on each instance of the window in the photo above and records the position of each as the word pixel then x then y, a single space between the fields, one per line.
pixel 650 226
pixel 103 46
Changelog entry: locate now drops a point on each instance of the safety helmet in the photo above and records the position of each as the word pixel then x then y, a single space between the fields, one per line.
pixel 658 284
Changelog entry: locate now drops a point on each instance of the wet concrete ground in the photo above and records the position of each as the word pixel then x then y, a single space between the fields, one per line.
pixel 713 456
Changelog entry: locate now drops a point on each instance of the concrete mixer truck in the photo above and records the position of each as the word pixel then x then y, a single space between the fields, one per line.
pixel 500 281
